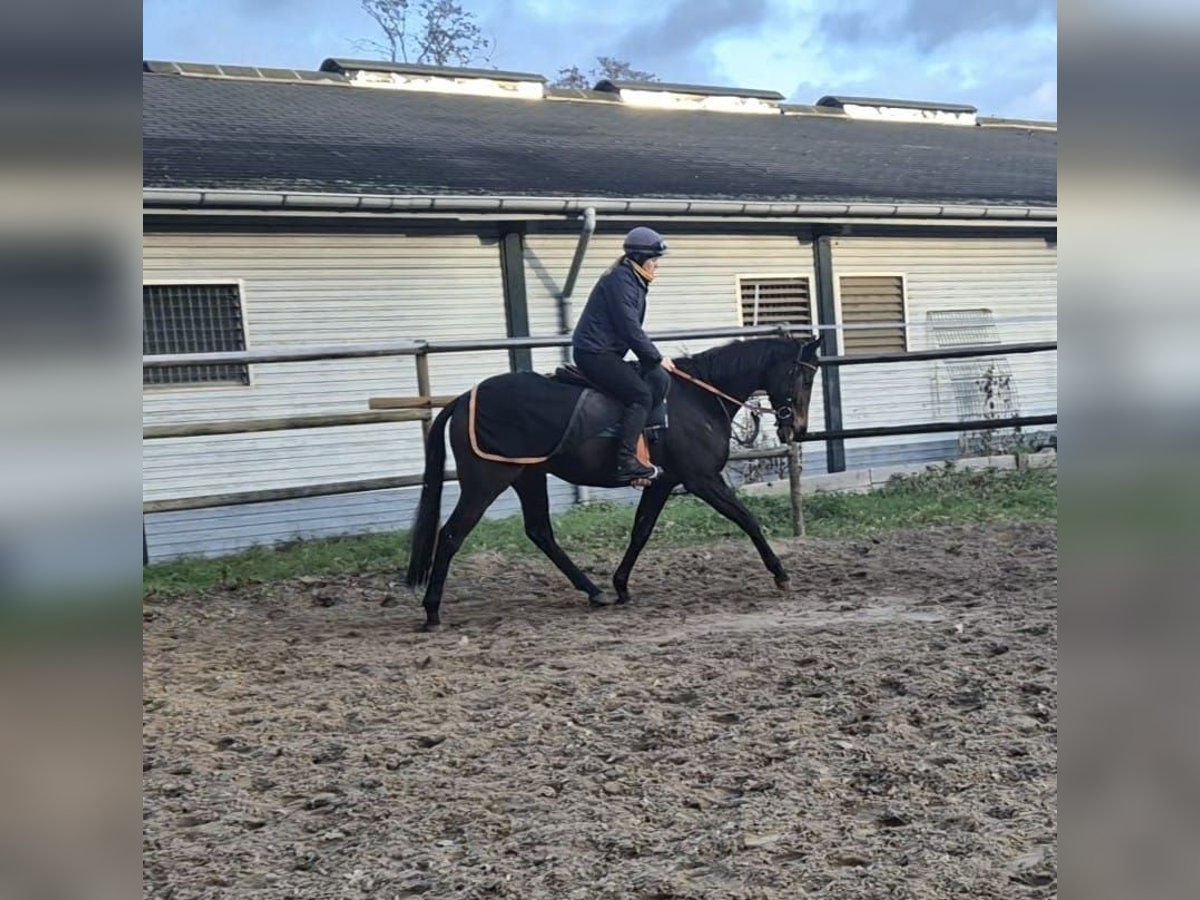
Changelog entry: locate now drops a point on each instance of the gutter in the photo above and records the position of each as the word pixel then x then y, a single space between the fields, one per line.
pixel 153 198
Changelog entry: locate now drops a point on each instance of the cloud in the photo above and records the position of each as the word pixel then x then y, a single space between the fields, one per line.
pixel 676 44
pixel 964 72
pixel 930 24
pixel 1040 103
pixel 268 7
pixel 797 56
pixel 687 24
pixel 673 40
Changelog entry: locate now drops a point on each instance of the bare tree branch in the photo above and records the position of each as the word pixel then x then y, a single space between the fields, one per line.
pixel 392 18
pixel 572 77
pixel 619 70
pixel 429 32
pixel 450 34
pixel 607 67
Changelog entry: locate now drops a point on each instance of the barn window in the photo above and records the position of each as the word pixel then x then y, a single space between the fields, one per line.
pixel 873 300
pixel 773 300
pixel 193 318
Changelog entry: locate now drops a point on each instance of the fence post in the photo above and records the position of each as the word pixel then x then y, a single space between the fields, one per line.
pixel 831 377
pixel 795 466
pixel 424 390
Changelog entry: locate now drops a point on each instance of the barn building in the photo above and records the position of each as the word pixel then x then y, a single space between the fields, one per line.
pixel 370 202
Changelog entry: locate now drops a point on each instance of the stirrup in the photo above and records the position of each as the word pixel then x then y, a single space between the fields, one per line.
pixel 643 474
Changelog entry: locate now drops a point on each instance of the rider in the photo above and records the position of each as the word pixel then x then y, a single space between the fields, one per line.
pixel 609 327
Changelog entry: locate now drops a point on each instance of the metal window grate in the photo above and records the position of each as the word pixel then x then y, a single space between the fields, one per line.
pixel 963 327
pixel 982 387
pixel 193 318
pixel 870 300
pixel 773 301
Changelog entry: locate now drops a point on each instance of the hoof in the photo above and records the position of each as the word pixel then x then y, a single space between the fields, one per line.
pixel 597 601
pixel 783 583
pixel 428 626
pixel 623 598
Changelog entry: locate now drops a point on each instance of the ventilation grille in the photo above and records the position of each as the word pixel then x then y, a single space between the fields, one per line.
pixel 870 300
pixel 193 318
pixel 773 301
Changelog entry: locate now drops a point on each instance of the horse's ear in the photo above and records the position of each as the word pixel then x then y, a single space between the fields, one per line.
pixel 809 351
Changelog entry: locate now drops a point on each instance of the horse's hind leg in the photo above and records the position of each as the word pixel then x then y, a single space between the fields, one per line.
pixel 480 484
pixel 535 506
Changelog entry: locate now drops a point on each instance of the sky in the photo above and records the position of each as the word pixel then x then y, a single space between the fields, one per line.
pixel 998 55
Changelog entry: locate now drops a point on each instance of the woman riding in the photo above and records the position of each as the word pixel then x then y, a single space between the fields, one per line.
pixel 609 327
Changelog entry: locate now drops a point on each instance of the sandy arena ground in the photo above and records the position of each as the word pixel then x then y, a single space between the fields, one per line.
pixel 888 729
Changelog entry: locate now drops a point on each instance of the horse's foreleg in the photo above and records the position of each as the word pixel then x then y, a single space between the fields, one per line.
pixel 654 498
pixel 720 496
pixel 535 507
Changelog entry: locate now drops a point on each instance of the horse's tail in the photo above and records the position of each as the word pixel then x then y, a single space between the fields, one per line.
pixel 423 541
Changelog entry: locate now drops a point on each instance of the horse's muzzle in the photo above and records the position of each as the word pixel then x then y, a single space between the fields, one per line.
pixel 786 425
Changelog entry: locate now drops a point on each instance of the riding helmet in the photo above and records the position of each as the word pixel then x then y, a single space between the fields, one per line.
pixel 644 243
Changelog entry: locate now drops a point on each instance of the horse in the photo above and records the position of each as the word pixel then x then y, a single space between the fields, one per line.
pixel 707 392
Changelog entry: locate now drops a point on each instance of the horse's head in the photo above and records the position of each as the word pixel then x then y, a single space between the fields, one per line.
pixel 790 387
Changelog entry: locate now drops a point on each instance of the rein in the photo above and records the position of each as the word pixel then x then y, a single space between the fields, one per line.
pixel 705 386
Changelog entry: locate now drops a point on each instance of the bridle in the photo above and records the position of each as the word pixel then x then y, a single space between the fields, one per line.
pixel 783 414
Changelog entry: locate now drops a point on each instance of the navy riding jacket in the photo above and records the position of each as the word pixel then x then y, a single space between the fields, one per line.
pixel 611 321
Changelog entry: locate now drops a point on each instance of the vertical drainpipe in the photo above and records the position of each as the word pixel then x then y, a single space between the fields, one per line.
pixel 565 308
pixel 566 312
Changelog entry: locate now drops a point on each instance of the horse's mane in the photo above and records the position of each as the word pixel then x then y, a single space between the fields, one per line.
pixel 731 362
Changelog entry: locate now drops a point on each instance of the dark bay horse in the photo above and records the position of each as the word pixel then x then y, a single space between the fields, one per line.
pixel 693 452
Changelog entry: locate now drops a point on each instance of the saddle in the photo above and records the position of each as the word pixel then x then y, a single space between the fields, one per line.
pixel 655 423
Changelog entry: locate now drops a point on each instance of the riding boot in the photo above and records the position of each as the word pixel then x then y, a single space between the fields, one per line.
pixel 629 468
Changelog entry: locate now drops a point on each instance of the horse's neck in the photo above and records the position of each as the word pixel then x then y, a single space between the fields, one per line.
pixel 739 384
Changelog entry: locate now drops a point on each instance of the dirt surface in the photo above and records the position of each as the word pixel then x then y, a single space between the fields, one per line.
pixel 888 729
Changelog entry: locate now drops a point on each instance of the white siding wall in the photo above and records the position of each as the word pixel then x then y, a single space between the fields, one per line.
pixel 301 290
pixel 1014 277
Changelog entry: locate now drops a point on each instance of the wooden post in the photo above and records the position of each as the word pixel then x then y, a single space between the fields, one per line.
pixel 423 389
pixel 794 468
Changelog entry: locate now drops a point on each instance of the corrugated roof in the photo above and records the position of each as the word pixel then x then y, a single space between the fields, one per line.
pixel 227 134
